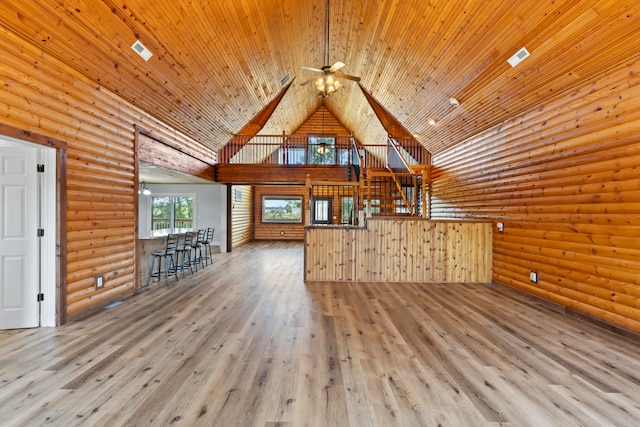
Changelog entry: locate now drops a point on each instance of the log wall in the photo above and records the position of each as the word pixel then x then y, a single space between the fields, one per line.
pixel 275 230
pixel 41 95
pixel 400 250
pixel 565 181
pixel 322 122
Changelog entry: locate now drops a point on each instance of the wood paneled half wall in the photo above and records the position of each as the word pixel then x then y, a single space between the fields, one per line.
pixel 564 179
pixel 400 250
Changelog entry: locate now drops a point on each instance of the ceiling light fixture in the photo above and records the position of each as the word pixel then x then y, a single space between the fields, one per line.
pixel 518 57
pixel 327 84
pixel 141 50
pixel 454 102
pixel 432 122
pixel 323 147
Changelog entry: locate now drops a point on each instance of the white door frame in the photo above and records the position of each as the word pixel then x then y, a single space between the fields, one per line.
pixel 47 205
pixel 48 261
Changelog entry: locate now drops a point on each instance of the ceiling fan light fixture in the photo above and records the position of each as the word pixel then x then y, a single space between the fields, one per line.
pixel 328 84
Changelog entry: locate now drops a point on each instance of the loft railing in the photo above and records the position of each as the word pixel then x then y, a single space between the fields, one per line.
pixel 287 150
pixel 411 151
pixel 297 150
pixel 396 161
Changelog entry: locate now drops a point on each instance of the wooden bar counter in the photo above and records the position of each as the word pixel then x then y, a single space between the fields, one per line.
pixel 147 245
pixel 411 250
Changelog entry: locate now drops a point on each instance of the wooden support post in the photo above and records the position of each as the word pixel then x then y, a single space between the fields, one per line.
pixel 425 207
pixel 307 213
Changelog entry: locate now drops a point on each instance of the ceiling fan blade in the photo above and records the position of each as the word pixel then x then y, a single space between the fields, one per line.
pixel 308 81
pixel 348 77
pixel 335 67
pixel 312 69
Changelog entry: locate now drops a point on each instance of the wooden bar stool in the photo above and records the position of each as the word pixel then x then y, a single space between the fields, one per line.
pixel 167 256
pixel 183 253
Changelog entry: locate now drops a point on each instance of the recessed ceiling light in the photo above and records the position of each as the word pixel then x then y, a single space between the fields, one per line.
pixel 141 50
pixel 518 57
pixel 432 122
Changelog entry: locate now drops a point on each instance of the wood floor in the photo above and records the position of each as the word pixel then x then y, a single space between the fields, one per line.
pixel 246 343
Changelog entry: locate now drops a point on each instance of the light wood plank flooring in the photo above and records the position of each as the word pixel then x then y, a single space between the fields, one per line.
pixel 246 343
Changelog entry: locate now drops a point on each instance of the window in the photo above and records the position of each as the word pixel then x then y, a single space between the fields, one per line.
pixel 281 208
pixel 171 214
pixel 322 150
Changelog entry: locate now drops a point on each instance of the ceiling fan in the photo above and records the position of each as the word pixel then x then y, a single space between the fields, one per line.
pixel 328 83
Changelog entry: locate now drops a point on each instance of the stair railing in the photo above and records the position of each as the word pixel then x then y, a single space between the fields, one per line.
pixel 408 204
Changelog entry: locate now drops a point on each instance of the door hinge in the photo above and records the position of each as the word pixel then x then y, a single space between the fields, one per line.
pixel 40 232
pixel 40 297
pixel 40 168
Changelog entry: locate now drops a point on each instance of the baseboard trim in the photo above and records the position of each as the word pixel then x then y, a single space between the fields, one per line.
pixel 570 312
pixel 83 314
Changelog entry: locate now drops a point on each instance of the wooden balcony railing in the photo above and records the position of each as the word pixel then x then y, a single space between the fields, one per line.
pixel 297 150
pixel 287 150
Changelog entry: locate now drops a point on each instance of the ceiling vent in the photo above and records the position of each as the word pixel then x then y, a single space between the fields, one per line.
pixel 286 79
pixel 518 57
pixel 141 50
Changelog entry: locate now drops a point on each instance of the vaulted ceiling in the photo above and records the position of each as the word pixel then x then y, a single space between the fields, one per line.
pixel 217 63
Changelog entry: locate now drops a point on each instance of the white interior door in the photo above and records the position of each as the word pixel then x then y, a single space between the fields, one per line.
pixel 19 263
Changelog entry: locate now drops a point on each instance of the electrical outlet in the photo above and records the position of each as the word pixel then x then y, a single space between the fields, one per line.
pixel 99 282
pixel 533 276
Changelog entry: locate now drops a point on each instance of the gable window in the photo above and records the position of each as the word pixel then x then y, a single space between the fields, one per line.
pixel 172 214
pixel 281 208
pixel 322 150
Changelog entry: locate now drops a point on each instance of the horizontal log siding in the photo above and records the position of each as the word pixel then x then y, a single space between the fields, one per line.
pixel 564 180
pixel 322 122
pixel 39 94
pixel 272 230
pixel 400 250
pixel 242 215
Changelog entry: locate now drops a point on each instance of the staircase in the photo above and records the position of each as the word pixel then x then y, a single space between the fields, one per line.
pixel 391 194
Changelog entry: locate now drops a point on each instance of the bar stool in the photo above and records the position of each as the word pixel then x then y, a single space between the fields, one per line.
pixel 166 255
pixel 197 249
pixel 183 253
pixel 207 245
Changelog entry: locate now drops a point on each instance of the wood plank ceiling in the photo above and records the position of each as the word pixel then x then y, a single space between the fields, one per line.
pixel 217 63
